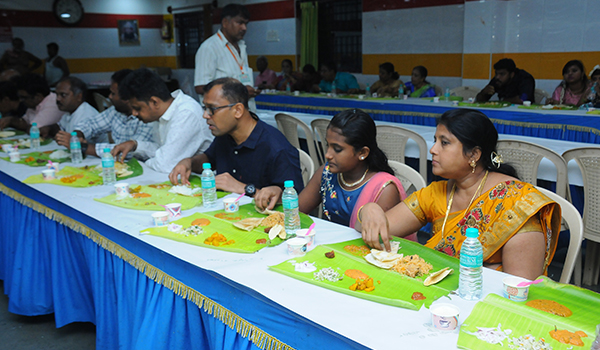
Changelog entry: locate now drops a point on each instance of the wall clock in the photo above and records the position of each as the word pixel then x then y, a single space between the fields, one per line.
pixel 68 12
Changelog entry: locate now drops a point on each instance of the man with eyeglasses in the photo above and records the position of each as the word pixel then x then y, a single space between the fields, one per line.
pixel 248 154
pixel 224 54
pixel 179 132
pixel 34 92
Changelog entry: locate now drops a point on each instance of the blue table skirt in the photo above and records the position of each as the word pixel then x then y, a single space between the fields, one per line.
pixel 568 127
pixel 53 258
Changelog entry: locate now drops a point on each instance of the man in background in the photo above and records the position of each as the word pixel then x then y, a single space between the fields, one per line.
pixel 267 77
pixel 117 119
pixel 180 131
pixel 512 84
pixel 55 67
pixel 34 92
pixel 344 82
pixel 224 54
pixel 19 59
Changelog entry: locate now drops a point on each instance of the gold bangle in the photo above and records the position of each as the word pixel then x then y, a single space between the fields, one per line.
pixel 358 214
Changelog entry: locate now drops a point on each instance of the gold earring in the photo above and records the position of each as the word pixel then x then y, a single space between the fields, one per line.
pixel 473 165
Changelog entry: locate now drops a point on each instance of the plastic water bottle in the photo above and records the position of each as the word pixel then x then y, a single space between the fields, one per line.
pixel 596 344
pixel 108 168
pixel 471 267
pixel 34 135
pixel 76 156
pixel 447 94
pixel 333 88
pixel 368 91
pixel 401 92
pixel 290 208
pixel 209 189
pixel 288 88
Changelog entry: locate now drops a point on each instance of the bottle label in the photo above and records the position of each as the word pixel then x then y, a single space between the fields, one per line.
pixel 208 183
pixel 34 134
pixel 290 203
pixel 472 261
pixel 75 145
pixel 108 163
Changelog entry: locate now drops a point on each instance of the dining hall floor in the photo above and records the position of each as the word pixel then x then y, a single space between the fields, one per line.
pixel 40 333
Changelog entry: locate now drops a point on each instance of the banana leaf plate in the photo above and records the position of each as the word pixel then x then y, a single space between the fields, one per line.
pixel 37 159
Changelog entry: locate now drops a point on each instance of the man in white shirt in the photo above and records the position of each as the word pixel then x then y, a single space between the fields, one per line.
pixel 223 55
pixel 180 132
pixel 71 94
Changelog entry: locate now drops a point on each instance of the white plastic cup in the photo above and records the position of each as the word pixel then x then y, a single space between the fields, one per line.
pixel 7 147
pixel 527 103
pixel 174 210
pixel 471 100
pixel 455 103
pixel 296 93
pixel 122 190
pixel 405 97
pixel 15 156
pixel 48 174
pixel 512 292
pixel 310 239
pixel 444 317
pixel 161 218
pixel 297 246
pixel 436 100
pixel 230 205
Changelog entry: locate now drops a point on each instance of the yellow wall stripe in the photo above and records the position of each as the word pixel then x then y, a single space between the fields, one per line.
pixel 476 66
pixel 442 65
pixel 113 64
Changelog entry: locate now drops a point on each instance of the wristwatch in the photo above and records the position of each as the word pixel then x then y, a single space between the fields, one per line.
pixel 84 147
pixel 250 190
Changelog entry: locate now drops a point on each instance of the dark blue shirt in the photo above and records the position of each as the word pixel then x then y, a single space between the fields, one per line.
pixel 266 158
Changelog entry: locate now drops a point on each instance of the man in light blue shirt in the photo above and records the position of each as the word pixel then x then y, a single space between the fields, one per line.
pixel 344 82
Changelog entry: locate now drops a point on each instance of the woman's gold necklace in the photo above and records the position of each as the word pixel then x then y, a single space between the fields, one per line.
pixel 341 176
pixel 475 195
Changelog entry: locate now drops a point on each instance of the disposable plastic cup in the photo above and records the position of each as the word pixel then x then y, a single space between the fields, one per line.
pixel 444 317
pixel 174 210
pixel 526 103
pixel 512 292
pixel 230 205
pixel 297 246
pixel 310 238
pixel 161 218
pixel 436 99
pixel 122 189
pixel 48 174
pixel 14 156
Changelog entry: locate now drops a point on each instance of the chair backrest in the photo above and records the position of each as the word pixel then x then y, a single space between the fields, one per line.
pixel 306 166
pixel 540 95
pixel 101 102
pixel 525 157
pixel 319 127
pixel 411 180
pixel 289 125
pixel 392 140
pixel 575 223
pixel 465 92
pixel 438 90
pixel 588 160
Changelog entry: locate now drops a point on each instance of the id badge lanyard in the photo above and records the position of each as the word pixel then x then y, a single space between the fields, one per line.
pixel 244 77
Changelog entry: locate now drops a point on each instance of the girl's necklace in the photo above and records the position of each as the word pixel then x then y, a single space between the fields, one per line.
pixel 475 195
pixel 341 177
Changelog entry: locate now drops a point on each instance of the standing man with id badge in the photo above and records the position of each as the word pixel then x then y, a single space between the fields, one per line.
pixel 224 54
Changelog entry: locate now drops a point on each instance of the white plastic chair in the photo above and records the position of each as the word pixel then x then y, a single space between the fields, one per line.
pixel 525 157
pixel 571 216
pixel 588 160
pixel 289 125
pixel 411 180
pixel 392 140
pixel 465 92
pixel 101 102
pixel 307 166
pixel 540 96
pixel 319 127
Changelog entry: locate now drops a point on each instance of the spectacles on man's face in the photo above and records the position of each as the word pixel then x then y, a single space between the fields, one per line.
pixel 211 110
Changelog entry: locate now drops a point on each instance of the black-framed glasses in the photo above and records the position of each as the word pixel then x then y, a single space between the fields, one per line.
pixel 211 110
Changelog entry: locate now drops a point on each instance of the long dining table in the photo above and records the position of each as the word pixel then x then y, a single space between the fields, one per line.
pixel 62 252
pixel 566 125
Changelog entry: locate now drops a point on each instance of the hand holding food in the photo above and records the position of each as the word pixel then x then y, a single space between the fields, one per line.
pixel 267 197
pixel 374 224
pixel 182 171
pixel 121 150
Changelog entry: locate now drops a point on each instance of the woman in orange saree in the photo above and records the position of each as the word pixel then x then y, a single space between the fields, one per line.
pixel 518 225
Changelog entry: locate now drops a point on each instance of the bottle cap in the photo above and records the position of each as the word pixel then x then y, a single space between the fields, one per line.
pixel 472 232
pixel 33 124
pixel 205 165
pixel 73 133
pixel 288 183
pixel 107 150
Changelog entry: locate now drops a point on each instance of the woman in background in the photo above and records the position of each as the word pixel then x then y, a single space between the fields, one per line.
pixel 574 89
pixel 389 81
pixel 288 77
pixel 418 86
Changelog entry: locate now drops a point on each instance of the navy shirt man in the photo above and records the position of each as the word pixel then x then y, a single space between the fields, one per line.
pixel 248 154
pixel 512 84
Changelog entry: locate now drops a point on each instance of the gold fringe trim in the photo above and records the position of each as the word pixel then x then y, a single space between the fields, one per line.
pixel 563 127
pixel 242 327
